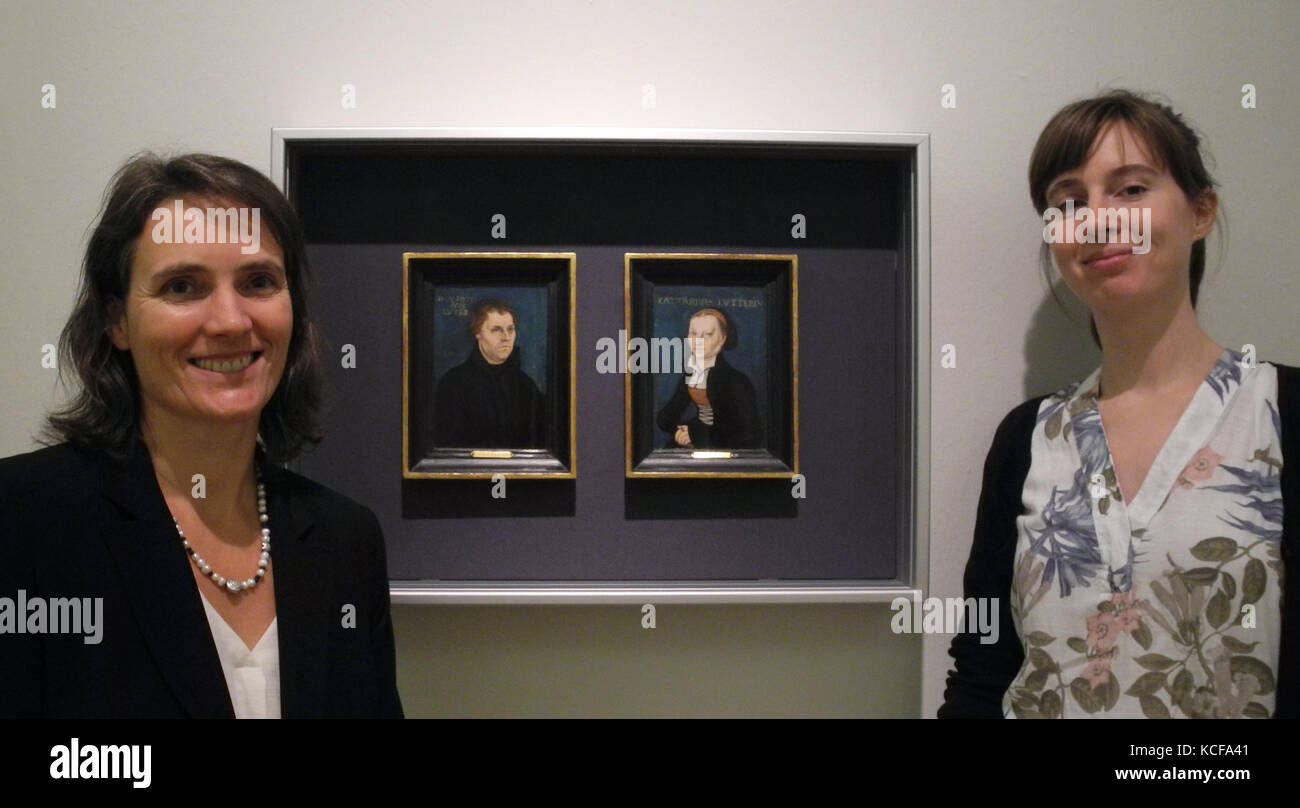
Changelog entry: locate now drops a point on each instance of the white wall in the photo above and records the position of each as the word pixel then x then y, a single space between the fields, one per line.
pixel 199 76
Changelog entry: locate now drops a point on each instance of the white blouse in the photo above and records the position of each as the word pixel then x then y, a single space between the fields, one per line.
pixel 1168 605
pixel 253 677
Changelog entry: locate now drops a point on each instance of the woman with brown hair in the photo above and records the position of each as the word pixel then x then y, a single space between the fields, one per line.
pixel 226 585
pixel 1134 522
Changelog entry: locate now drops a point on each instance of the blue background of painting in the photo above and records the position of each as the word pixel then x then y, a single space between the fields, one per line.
pixel 452 344
pixel 749 356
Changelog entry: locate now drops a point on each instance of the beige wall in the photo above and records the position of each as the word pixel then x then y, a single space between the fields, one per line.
pixel 219 77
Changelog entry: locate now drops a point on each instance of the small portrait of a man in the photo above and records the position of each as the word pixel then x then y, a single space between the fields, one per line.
pixel 488 401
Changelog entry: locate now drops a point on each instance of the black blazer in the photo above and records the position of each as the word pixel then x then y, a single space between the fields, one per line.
pixel 736 422
pixel 77 523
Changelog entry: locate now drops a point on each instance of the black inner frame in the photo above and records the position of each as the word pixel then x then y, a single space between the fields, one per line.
pixel 364 202
pixel 776 279
pixel 425 275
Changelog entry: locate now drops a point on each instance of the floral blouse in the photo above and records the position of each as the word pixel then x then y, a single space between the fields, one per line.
pixel 1168 605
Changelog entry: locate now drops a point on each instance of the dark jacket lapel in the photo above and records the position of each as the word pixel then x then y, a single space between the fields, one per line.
pixel 155 574
pixel 302 594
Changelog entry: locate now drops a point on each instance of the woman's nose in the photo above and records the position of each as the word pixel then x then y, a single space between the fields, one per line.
pixel 226 311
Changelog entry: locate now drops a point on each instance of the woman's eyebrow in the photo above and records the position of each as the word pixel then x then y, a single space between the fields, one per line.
pixel 1132 168
pixel 181 268
pixel 1067 182
pixel 263 265
pixel 194 266
pixel 1129 168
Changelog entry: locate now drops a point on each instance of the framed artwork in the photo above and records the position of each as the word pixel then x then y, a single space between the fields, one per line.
pixel 711 365
pixel 488 365
pixel 789 463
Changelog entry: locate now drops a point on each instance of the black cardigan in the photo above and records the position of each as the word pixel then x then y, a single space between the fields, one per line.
pixel 984 672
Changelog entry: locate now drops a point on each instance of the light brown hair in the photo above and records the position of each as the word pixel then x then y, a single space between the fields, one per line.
pixel 1068 140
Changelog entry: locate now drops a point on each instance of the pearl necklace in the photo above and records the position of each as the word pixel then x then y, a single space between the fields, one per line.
pixel 232 584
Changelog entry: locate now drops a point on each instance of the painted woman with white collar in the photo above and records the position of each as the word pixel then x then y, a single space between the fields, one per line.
pixel 726 407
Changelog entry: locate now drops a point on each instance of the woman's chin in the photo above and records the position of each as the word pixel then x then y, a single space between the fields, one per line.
pixel 228 412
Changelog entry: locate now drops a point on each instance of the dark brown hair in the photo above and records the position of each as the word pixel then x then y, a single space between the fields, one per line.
pixel 105 412
pixel 479 311
pixel 1068 139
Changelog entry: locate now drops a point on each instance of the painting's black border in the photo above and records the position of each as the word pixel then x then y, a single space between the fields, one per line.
pixel 776 277
pixel 424 273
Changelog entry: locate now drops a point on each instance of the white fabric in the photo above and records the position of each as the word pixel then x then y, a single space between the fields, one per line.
pixel 1138 609
pixel 697 374
pixel 252 676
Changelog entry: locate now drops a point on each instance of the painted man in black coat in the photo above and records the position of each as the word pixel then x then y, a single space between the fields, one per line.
pixel 488 402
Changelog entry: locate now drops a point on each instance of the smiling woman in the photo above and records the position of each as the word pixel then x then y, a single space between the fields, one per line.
pixel 198 371
pixel 207 327
pixel 1134 521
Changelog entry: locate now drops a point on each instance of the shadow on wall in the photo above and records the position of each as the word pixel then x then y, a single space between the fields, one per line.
pixel 1058 347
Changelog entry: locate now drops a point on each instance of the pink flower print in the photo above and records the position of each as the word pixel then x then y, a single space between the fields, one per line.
pixel 1127 620
pixel 1126 617
pixel 1200 468
pixel 1097 671
pixel 1102 632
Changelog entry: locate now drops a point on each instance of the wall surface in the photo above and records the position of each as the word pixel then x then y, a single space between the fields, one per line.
pixel 193 76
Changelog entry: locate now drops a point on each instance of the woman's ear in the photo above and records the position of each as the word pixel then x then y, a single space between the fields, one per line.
pixel 117 326
pixel 1205 208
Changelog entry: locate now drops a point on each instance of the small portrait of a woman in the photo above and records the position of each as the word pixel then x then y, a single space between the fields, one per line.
pixel 714 405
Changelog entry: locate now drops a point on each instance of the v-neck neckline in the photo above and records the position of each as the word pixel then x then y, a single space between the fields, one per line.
pixel 1188 436
pixel 230 630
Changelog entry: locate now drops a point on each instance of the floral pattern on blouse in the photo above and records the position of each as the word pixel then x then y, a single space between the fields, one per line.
pixel 1168 605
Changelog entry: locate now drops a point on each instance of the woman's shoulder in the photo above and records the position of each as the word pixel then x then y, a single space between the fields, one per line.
pixel 49 492
pixel 1020 420
pixel 1288 379
pixel 1288 405
pixel 724 369
pixel 61 466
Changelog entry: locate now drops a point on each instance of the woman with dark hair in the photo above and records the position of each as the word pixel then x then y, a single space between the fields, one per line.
pixel 726 408
pixel 1131 525
pixel 220 583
